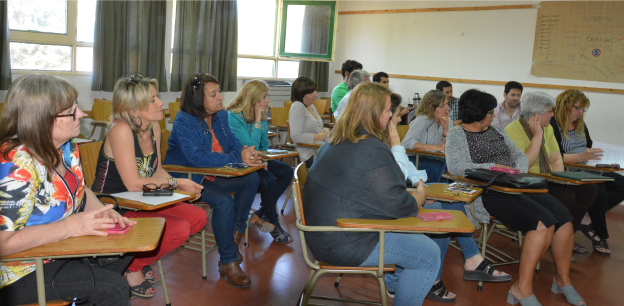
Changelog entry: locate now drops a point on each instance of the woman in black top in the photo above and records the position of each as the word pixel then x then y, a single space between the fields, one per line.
pixel 356 176
pixel 576 147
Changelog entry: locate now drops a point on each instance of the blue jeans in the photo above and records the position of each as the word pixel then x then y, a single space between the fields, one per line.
pixel 466 241
pixel 416 258
pixel 273 183
pixel 229 213
pixel 435 167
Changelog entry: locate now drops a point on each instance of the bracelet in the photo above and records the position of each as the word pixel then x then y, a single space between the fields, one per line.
pixel 443 135
pixel 257 125
pixel 578 157
pixel 173 182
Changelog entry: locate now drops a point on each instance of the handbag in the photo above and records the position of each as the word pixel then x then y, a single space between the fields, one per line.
pixel 503 179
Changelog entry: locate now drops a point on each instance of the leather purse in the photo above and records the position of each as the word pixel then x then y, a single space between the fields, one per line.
pixel 503 179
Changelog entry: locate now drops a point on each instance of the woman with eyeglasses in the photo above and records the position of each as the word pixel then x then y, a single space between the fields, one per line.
pixel 247 119
pixel 201 137
pixel 43 198
pixel 575 146
pixel 477 144
pixel 129 161
pixel 428 132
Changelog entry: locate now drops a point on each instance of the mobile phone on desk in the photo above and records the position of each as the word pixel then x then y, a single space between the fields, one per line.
pixel 500 169
pixel 118 230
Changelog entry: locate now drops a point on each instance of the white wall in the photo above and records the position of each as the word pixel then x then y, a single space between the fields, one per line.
pixel 487 45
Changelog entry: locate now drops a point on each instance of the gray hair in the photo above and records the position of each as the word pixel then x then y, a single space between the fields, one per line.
pixel 357 77
pixel 533 102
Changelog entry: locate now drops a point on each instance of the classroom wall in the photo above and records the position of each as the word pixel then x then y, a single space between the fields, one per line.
pixel 489 45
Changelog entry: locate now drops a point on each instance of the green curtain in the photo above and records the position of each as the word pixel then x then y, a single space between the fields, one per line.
pixel 315 33
pixel 129 38
pixel 5 50
pixel 205 40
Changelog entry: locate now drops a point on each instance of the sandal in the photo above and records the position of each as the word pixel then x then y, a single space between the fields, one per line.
pixel 280 235
pixel 439 293
pixel 485 273
pixel 146 271
pixel 140 290
pixel 569 292
pixel 588 230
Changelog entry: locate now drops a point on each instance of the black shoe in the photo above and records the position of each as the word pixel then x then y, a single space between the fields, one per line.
pixel 280 235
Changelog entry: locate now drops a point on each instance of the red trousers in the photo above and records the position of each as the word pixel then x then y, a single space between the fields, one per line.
pixel 181 220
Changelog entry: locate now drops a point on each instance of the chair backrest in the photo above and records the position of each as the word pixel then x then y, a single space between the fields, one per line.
pixel 174 107
pixel 164 144
pixel 88 160
pixel 320 106
pixel 287 104
pixel 301 174
pixel 402 130
pixel 279 115
pixel 163 122
pixel 179 100
pixel 102 110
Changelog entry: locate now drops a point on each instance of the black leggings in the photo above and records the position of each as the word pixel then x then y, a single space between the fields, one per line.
pixel 609 195
pixel 577 199
pixel 523 212
pixel 74 280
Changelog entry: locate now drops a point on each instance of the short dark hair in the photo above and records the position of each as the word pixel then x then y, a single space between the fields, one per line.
pixel 301 87
pixel 474 105
pixel 349 66
pixel 193 94
pixel 395 101
pixel 377 77
pixel 440 86
pixel 513 85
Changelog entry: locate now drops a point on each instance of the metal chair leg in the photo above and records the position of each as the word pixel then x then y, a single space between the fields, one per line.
pixel 287 198
pixel 164 283
pixel 337 282
pixel 306 297
pixel 382 289
pixel 484 238
pixel 203 242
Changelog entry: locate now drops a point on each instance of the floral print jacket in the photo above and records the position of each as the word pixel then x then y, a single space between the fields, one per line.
pixel 27 198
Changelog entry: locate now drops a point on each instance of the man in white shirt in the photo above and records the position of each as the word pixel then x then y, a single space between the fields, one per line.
pixel 508 111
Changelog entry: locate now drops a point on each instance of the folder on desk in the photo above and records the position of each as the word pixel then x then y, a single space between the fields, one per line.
pixel 580 176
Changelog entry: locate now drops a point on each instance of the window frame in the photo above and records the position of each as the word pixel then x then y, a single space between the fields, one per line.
pixel 329 56
pixel 45 38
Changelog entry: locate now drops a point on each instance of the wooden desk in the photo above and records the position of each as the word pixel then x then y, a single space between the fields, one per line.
pixel 591 168
pixel 459 224
pixel 88 113
pixel 144 236
pixel 222 172
pixel 418 153
pixel 266 155
pixel 272 134
pixel 494 187
pixel 566 181
pixel 136 205
pixel 437 192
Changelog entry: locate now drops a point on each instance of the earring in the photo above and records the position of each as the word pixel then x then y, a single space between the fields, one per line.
pixel 140 124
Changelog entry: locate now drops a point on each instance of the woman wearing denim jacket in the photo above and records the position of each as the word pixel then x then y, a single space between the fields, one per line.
pixel 247 118
pixel 201 137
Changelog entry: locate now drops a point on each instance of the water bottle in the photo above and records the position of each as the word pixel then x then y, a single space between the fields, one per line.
pixel 416 99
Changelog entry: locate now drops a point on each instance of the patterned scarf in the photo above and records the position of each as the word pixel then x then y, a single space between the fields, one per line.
pixel 543 156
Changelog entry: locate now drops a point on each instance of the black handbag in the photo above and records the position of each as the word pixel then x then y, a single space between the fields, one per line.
pixel 503 179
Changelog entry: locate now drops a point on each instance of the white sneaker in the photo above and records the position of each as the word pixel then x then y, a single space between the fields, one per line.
pixel 389 294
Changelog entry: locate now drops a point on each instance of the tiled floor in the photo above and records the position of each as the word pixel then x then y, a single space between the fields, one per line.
pixel 278 273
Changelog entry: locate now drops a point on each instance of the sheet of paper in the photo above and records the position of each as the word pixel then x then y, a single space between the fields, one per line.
pixel 138 196
pixel 612 154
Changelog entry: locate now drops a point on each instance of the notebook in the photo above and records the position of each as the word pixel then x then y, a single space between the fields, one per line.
pixel 580 176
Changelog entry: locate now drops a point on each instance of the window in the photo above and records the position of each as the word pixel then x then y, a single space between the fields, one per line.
pixel 51 35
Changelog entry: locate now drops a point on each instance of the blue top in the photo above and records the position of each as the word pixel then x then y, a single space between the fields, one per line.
pixel 246 133
pixel 407 167
pixel 190 143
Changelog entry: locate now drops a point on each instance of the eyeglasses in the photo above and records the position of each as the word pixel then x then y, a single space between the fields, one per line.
pixel 197 80
pixel 73 114
pixel 155 190
pixel 584 110
pixel 234 166
pixel 490 112
pixel 134 80
pixel 443 105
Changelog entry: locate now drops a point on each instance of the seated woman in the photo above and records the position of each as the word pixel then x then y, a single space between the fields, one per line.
pixel 43 198
pixel 476 144
pixel 247 119
pixel 534 136
pixel 428 132
pixel 575 145
pixel 306 125
pixel 476 267
pixel 129 159
pixel 201 137
pixel 355 176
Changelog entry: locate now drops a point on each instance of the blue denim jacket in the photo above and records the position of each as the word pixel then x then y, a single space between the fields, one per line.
pixel 190 143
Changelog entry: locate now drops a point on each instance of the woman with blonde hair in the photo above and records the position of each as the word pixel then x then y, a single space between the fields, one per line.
pixel 43 198
pixel 129 161
pixel 247 119
pixel 355 176
pixel 428 132
pixel 575 146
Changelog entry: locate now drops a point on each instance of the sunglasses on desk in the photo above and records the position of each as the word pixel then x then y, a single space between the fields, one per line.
pixel 157 191
pixel 234 166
